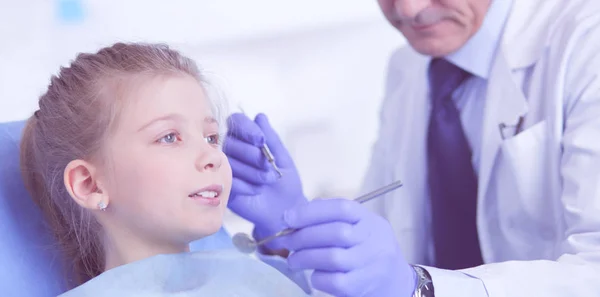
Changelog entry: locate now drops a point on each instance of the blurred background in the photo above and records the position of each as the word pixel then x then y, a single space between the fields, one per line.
pixel 316 68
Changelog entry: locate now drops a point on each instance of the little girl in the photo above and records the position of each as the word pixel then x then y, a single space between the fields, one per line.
pixel 124 159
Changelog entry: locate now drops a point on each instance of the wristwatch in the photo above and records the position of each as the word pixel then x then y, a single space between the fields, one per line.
pixel 424 283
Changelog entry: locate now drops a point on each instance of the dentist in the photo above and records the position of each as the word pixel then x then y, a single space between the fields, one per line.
pixel 492 120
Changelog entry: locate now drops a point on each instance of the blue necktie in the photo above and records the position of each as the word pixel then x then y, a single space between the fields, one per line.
pixel 452 180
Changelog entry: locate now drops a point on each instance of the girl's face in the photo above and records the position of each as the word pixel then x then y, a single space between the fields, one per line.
pixel 168 181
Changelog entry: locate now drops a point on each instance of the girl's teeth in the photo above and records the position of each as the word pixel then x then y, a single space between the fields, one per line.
pixel 208 194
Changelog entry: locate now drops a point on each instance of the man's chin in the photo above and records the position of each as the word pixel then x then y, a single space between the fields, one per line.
pixel 433 47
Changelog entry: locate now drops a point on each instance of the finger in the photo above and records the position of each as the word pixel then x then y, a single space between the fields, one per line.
pixel 282 157
pixel 250 174
pixel 241 127
pixel 242 188
pixel 326 259
pixel 332 259
pixel 246 206
pixel 336 234
pixel 353 283
pixel 320 211
pixel 245 152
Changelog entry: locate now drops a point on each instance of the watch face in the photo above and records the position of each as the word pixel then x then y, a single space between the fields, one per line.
pixel 425 284
pixel 427 290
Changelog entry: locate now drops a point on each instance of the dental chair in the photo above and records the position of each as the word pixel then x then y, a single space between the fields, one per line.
pixel 30 261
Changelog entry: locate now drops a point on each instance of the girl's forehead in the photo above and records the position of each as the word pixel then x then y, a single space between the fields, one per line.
pixel 173 95
pixel 176 99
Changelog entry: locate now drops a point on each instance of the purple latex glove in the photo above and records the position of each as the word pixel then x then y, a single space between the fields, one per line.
pixel 352 250
pixel 258 194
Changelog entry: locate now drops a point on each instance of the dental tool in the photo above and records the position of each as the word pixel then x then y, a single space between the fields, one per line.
pixel 267 152
pixel 246 244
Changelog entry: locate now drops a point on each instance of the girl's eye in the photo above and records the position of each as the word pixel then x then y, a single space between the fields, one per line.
pixel 212 139
pixel 170 138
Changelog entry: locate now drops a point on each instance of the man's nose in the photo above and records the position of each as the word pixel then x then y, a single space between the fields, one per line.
pixel 409 9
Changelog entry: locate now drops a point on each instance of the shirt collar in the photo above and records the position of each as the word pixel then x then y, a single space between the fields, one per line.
pixel 477 55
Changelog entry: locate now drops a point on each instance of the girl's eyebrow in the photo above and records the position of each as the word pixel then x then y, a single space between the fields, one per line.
pixel 169 117
pixel 210 120
pixel 177 118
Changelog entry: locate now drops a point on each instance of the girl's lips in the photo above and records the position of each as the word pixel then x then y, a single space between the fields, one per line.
pixel 218 189
pixel 208 195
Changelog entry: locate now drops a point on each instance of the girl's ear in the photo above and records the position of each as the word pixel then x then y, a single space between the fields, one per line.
pixel 80 178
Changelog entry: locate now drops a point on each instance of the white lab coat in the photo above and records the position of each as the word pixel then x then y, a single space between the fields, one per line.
pixel 539 191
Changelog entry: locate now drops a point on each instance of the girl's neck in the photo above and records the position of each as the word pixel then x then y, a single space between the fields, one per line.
pixel 123 248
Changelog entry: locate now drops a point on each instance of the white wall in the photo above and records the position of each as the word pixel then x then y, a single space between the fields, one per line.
pixel 315 67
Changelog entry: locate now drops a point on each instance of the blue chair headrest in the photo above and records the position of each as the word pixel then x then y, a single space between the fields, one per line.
pixel 30 261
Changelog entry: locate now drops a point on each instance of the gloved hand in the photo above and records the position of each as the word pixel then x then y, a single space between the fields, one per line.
pixel 258 194
pixel 352 250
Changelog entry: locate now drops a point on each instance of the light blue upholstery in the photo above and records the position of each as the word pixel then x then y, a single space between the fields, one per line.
pixel 30 264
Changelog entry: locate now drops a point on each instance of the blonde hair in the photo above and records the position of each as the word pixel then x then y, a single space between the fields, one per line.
pixel 75 114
